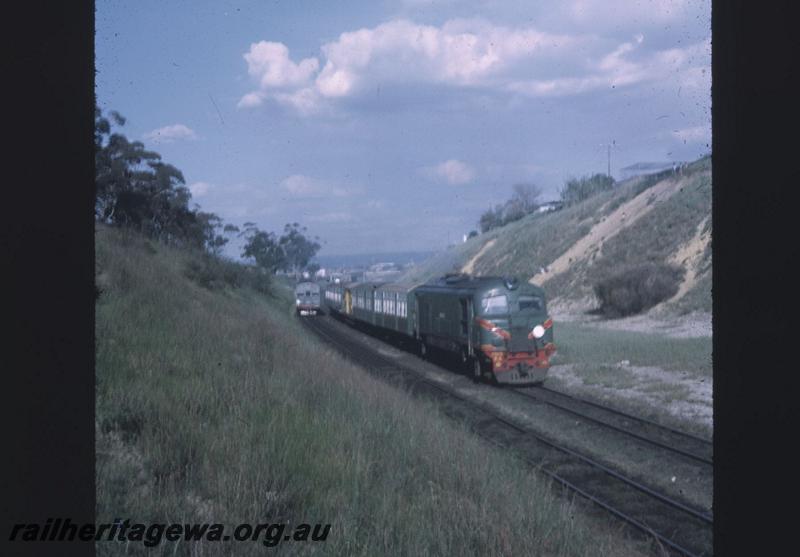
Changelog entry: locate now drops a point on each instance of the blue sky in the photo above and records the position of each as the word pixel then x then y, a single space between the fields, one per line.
pixel 390 126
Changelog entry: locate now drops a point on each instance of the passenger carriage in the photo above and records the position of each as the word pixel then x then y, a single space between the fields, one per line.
pixel 307 298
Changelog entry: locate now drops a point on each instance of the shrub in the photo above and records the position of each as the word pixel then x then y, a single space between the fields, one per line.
pixel 637 289
pixel 214 273
pixel 576 190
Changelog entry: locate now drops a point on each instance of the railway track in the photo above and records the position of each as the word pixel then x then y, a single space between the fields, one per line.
pixel 666 438
pixel 675 525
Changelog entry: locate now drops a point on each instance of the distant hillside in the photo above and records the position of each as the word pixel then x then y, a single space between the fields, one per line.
pixel 661 218
pixel 367 259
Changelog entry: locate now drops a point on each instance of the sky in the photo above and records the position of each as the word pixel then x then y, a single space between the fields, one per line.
pixel 391 126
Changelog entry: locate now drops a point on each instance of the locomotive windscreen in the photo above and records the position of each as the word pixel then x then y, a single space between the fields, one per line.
pixel 530 302
pixel 494 305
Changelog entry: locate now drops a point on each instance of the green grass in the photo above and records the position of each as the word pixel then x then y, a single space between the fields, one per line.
pixel 668 392
pixel 607 376
pixel 587 345
pixel 604 363
pixel 215 406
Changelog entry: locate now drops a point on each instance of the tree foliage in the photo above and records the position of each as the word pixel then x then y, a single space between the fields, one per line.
pixel 135 188
pixel 523 201
pixel 263 248
pixel 297 248
pixel 576 190
pixel 290 252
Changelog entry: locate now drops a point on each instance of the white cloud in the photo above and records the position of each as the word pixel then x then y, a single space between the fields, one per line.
pixel 336 216
pixel 302 186
pixel 618 13
pixel 626 65
pixel 299 185
pixel 695 134
pixel 461 53
pixel 168 134
pixel 451 171
pixel 199 189
pixel 269 62
pixel 473 54
pixel 306 101
pixel 251 100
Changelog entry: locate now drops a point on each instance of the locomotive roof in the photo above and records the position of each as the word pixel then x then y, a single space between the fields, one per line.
pixel 471 282
pixel 450 282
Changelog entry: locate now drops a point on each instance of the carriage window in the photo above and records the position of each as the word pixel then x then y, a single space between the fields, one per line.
pixel 494 305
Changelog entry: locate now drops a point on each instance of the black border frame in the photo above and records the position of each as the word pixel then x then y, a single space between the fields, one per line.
pixel 48 272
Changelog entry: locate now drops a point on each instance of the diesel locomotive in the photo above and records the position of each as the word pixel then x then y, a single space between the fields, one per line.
pixel 498 326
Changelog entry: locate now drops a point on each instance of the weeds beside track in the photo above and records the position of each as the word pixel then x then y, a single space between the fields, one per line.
pixel 680 527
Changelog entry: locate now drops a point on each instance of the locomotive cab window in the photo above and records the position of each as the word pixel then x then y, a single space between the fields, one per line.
pixel 530 302
pixel 494 305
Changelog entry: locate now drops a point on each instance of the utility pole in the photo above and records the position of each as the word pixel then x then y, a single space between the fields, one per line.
pixel 612 144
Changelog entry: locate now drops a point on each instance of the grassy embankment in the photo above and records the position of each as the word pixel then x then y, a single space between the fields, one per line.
pixel 215 406
pixel 523 247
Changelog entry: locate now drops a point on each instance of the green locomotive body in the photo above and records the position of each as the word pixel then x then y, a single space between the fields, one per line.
pixel 498 326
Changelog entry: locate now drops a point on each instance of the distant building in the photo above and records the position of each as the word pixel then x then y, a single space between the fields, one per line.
pixel 549 206
pixel 383 267
pixel 645 168
pixel 357 276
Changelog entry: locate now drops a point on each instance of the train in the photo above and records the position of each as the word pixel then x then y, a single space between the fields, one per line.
pixel 499 327
pixel 307 298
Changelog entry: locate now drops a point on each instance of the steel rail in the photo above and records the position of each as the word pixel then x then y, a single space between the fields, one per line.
pixel 419 378
pixel 608 425
pixel 612 410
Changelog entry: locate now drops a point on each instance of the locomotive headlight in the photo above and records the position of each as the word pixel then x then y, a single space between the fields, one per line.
pixel 538 331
